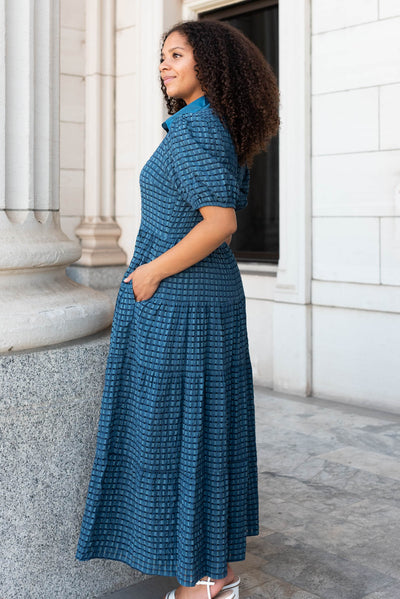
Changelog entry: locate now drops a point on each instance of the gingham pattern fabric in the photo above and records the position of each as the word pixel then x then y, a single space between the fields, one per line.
pixel 173 489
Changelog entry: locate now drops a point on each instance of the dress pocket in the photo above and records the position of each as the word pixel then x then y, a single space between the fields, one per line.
pixel 149 299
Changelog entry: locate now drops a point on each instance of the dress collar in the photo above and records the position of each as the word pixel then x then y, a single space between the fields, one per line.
pixel 192 107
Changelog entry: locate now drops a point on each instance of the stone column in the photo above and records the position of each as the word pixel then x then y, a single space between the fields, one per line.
pixel 39 304
pixel 98 231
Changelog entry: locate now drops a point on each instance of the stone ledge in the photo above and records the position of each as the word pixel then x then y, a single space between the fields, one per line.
pixel 49 409
pixel 97 277
pixel 67 370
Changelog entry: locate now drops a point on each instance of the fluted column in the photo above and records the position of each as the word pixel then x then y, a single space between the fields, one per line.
pixel 39 304
pixel 99 231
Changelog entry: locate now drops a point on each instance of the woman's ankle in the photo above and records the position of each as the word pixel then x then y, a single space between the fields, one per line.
pixel 230 575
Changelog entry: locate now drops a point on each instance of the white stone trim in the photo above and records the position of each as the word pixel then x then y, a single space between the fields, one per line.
pixel 358 296
pixel 258 268
pixel 192 8
pixel 292 322
pixel 98 231
pixel 294 269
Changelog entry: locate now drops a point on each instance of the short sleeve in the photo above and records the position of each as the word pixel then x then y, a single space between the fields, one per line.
pixel 204 163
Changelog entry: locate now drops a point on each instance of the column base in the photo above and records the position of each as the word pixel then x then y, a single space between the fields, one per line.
pixel 42 306
pixel 106 279
pixel 101 278
pixel 99 238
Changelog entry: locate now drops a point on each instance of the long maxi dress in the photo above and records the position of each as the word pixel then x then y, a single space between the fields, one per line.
pixel 173 489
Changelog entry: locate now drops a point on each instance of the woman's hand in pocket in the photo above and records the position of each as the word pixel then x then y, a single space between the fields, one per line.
pixel 144 282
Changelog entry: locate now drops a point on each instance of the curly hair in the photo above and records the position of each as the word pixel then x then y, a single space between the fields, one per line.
pixel 239 83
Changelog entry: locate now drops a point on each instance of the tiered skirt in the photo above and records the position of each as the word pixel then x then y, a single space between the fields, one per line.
pixel 173 489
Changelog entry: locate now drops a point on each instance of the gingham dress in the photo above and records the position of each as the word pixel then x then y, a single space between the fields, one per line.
pixel 173 490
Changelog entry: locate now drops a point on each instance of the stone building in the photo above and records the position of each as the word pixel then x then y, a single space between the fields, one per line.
pixel 81 112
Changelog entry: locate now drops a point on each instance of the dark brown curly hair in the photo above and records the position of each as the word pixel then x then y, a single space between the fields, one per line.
pixel 239 83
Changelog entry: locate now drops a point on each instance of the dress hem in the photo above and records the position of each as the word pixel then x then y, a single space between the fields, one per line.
pixel 168 569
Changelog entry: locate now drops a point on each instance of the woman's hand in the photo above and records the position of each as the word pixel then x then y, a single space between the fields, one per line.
pixel 144 281
pixel 147 277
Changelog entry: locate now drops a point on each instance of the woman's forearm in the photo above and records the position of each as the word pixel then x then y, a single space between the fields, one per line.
pixel 203 239
pixel 228 239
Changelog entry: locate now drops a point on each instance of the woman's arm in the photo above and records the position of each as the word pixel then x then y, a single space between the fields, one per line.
pixel 217 226
pixel 228 239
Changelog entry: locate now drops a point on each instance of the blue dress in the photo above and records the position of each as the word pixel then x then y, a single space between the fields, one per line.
pixel 173 489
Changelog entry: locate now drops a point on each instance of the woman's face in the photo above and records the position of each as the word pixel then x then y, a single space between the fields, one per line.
pixel 177 69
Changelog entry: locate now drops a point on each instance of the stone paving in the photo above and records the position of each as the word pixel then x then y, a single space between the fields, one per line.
pixel 329 483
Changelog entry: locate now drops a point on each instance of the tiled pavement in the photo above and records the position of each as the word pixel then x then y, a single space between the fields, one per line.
pixel 329 482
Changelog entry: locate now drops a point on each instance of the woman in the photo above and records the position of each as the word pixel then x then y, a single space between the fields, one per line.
pixel 173 489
